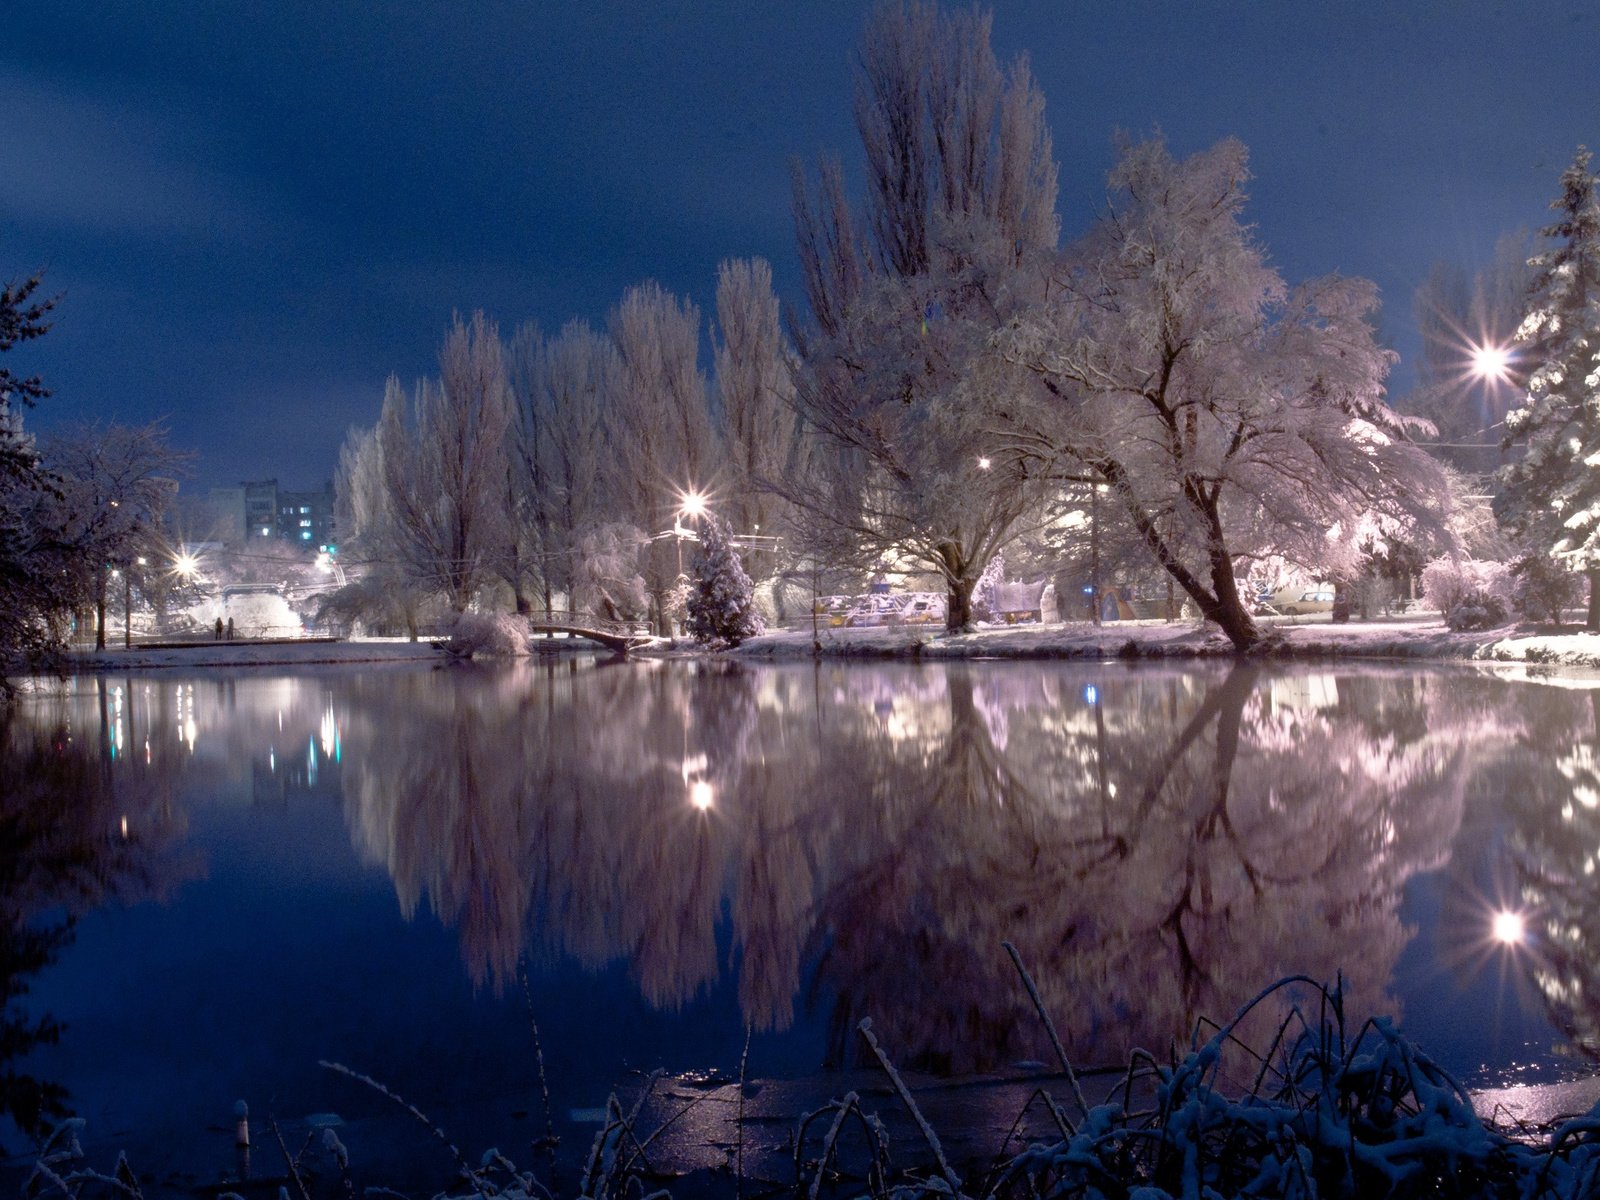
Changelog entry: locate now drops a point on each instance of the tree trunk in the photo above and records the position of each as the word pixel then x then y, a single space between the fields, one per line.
pixel 959 582
pixel 958 605
pixel 1230 613
pixel 100 612
pixel 1591 623
pixel 1221 604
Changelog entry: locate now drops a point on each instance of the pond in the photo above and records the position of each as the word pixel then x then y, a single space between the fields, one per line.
pixel 214 881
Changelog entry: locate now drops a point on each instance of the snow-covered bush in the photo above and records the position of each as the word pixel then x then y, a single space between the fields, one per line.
pixel 1469 593
pixel 1541 588
pixel 722 606
pixel 1478 609
pixel 488 635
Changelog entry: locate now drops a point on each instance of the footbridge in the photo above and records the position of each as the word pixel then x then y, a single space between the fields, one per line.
pixel 620 636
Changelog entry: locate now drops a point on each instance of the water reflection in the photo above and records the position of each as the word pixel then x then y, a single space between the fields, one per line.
pixel 1156 845
pixel 859 840
pixel 75 832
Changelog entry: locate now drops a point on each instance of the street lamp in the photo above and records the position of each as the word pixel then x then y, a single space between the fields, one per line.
pixel 691 504
pixel 1491 362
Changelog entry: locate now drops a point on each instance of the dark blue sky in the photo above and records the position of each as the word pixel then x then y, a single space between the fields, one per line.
pixel 256 211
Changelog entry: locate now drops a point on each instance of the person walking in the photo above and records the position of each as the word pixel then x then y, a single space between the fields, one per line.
pixel 216 630
pixel 230 629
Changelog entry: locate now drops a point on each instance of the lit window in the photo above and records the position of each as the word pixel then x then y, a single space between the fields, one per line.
pixel 306 534
pixel 305 524
pixel 304 510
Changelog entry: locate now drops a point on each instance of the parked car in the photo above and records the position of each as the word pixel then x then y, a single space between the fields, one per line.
pixel 1299 600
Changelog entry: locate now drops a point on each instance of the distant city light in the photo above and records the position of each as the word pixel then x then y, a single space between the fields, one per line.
pixel 1091 694
pixel 1491 362
pixel 1509 928
pixel 983 462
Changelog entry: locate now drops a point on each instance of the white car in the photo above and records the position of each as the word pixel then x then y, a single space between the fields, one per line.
pixel 1299 601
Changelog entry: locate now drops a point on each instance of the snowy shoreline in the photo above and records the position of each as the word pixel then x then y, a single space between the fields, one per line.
pixel 1415 639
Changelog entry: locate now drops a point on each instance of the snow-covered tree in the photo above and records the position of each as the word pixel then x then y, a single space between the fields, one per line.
pixel 606 579
pixel 385 594
pixel 560 387
pixel 755 390
pixel 113 487
pixel 35 583
pixel 901 387
pixel 1551 495
pixel 659 436
pixel 1228 416
pixel 444 469
pixel 721 605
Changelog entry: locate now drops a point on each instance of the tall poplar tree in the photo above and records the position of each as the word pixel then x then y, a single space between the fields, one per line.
pixel 1551 495
pixel 901 385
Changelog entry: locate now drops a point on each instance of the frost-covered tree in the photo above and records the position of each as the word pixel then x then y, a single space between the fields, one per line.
pixel 560 388
pixel 659 435
pixel 606 579
pixel 1227 415
pixel 721 605
pixel 444 466
pixel 35 579
pixel 1550 498
pixel 755 391
pixel 901 388
pixel 384 594
pixel 114 485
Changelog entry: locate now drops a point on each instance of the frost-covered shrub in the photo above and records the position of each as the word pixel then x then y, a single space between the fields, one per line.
pixel 721 602
pixel 1469 593
pixel 1478 609
pixel 1541 588
pixel 488 635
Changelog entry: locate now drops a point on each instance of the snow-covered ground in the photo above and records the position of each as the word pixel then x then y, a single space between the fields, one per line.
pixel 1417 637
pixel 255 654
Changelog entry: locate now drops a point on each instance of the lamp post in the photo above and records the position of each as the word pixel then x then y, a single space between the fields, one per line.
pixel 1094 550
pixel 691 504
pixel 1491 362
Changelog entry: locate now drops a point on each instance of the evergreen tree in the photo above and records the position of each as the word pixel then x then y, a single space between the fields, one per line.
pixel 35 580
pixel 722 606
pixel 1551 499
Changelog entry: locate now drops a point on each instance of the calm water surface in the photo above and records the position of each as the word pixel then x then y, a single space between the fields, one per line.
pixel 214 881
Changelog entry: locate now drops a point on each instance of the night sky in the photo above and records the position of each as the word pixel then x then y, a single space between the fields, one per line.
pixel 255 212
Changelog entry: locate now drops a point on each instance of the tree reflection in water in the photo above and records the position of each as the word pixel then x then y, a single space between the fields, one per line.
pixel 76 830
pixel 861 839
pixel 1157 844
pixel 1553 844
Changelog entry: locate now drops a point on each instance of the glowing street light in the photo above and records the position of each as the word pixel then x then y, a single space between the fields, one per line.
pixel 186 564
pixel 691 504
pixel 983 462
pixel 1491 362
pixel 1509 928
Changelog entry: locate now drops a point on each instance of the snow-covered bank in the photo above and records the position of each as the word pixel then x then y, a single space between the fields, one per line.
pixel 254 654
pixel 1406 639
pixel 1410 639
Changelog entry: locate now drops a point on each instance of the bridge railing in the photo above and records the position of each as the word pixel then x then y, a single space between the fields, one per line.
pixel 567 619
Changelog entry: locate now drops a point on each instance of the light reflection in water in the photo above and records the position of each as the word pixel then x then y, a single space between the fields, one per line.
pixel 1158 844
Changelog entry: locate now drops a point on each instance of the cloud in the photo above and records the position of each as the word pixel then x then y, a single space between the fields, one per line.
pixel 103 164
